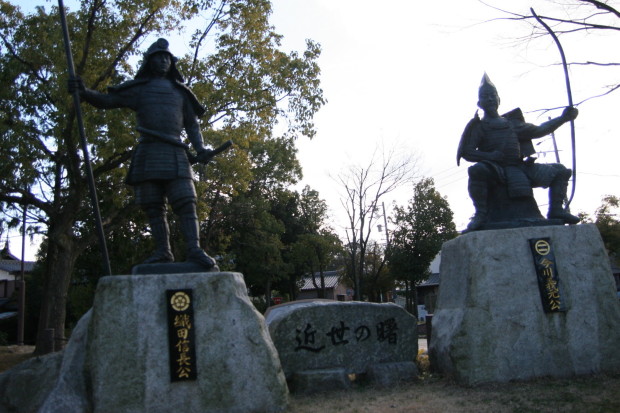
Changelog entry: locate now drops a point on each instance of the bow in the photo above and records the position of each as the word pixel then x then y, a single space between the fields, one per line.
pixel 570 100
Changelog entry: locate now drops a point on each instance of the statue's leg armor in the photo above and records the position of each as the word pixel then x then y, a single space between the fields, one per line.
pixel 478 192
pixel 161 234
pixel 557 195
pixel 150 197
pixel 183 201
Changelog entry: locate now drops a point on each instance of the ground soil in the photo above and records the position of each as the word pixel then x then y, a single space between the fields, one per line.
pixel 432 394
pixel 12 355
pixel 600 394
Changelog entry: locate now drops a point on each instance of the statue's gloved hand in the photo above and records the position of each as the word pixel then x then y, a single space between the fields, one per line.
pixel 570 113
pixel 75 84
pixel 204 156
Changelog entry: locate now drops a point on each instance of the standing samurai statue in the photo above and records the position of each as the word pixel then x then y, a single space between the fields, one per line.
pixel 501 147
pixel 160 169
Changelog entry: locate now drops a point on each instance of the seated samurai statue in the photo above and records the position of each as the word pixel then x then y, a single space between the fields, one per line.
pixel 160 169
pixel 504 173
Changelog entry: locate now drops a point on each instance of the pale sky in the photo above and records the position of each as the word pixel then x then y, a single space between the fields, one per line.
pixel 406 73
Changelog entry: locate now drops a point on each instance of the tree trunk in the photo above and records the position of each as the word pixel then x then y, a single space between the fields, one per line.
pixel 62 251
pixel 360 270
pixel 268 293
pixel 292 287
pixel 408 297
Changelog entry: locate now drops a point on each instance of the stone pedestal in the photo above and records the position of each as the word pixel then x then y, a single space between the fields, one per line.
pixel 118 358
pixel 489 324
pixel 321 342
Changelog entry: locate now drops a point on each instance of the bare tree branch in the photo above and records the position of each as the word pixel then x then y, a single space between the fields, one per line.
pixel 365 187
pixel 216 18
pixel 582 19
pixel 603 6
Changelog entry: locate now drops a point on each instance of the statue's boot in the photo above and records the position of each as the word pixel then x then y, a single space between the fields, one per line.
pixel 189 228
pixel 161 236
pixel 478 192
pixel 557 194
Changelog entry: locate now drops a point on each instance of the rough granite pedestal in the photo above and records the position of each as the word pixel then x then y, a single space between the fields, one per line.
pixel 322 343
pixel 117 359
pixel 489 324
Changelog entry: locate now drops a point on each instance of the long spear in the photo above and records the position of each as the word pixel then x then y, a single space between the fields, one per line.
pixel 80 121
pixel 570 100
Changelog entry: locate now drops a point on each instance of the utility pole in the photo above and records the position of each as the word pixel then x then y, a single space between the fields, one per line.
pixel 557 159
pixel 21 286
pixel 555 146
pixel 387 233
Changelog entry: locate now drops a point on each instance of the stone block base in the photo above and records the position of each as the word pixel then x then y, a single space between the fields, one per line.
pixel 317 381
pixel 389 374
pixel 489 324
pixel 128 355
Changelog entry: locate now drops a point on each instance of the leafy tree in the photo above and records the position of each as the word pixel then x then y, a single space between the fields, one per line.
pixel 247 83
pixel 608 224
pixel 256 245
pixel 314 252
pixel 364 188
pixel 378 279
pixel 309 244
pixel 421 229
pixel 275 236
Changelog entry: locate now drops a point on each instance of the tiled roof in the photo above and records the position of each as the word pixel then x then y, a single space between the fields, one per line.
pixel 431 281
pixel 7 315
pixel 13 266
pixel 5 253
pixel 331 280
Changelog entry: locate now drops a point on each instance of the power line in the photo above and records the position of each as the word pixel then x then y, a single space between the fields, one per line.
pixel 601 175
pixel 446 170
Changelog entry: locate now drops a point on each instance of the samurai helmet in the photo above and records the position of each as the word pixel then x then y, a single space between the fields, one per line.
pixel 486 85
pixel 160 46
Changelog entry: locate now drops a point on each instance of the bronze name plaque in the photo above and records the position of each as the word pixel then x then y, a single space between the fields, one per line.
pixel 547 274
pixel 181 342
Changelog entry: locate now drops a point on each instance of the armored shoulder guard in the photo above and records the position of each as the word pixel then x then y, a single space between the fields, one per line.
pixel 198 108
pixel 515 115
pixel 466 136
pixel 526 145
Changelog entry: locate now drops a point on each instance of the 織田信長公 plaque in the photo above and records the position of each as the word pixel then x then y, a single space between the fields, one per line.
pixel 181 342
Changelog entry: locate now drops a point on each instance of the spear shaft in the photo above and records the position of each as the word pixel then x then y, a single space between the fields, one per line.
pixel 83 143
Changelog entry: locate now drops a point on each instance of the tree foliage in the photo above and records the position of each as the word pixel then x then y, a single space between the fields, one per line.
pixel 311 243
pixel 275 240
pixel 377 279
pixel 607 221
pixel 421 229
pixel 236 69
pixel 312 253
